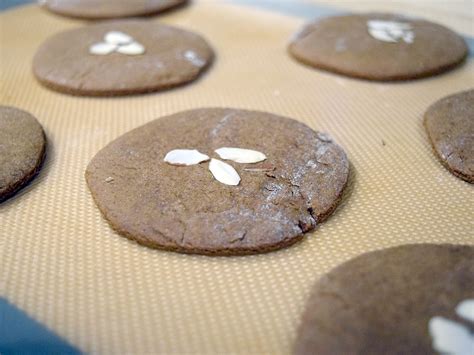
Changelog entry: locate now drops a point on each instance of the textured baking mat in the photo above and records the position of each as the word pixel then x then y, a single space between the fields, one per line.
pixel 62 264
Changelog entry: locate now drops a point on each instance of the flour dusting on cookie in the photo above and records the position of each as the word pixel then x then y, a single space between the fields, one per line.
pixel 194 58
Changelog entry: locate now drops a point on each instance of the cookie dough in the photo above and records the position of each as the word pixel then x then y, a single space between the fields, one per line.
pixel 218 181
pixel 450 126
pixel 107 9
pixel 384 47
pixel 121 57
pixel 22 149
pixel 401 300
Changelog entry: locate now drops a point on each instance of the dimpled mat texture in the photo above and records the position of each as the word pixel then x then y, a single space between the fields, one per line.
pixel 62 264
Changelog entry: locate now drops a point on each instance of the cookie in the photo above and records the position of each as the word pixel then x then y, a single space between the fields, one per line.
pixel 413 299
pixel 218 181
pixel 22 149
pixel 121 57
pixel 384 47
pixel 108 9
pixel 450 126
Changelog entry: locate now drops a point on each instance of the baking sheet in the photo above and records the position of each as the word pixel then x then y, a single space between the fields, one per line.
pixel 62 264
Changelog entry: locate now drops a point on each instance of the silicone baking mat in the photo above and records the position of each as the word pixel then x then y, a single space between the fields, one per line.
pixel 63 266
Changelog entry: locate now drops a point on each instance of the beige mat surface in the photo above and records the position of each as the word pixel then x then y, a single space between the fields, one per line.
pixel 63 265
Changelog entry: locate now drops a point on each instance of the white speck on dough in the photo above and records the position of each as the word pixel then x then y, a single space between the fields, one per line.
pixel 220 124
pixel 194 58
pixel 341 45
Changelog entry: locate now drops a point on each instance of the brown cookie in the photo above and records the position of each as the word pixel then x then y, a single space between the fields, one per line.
pixel 108 9
pixel 402 300
pixel 22 149
pixel 450 126
pixel 383 47
pixel 295 181
pixel 121 57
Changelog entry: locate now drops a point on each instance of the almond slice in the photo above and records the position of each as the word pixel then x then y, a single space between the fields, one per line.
pixel 390 31
pixel 388 25
pixel 102 48
pixel 382 35
pixel 450 337
pixel 133 48
pixel 245 156
pixel 117 37
pixel 223 172
pixel 185 157
pixel 465 309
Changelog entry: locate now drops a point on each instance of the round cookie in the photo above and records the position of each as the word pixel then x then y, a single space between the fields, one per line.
pixel 384 47
pixel 450 126
pixel 121 57
pixel 293 180
pixel 108 9
pixel 400 300
pixel 22 149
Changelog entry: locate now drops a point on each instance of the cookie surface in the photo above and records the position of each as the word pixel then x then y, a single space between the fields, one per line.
pixel 394 301
pixel 22 149
pixel 107 9
pixel 381 47
pixel 450 126
pixel 121 57
pixel 184 208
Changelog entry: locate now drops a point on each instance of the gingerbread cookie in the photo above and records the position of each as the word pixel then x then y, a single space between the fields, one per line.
pixel 121 57
pixel 108 9
pixel 450 126
pixel 413 299
pixel 381 47
pixel 22 149
pixel 218 181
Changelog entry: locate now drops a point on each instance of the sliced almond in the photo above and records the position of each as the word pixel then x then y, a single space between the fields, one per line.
pixel 450 337
pixel 133 48
pixel 102 48
pixel 185 157
pixel 117 37
pixel 239 155
pixel 465 309
pixel 223 172
pixel 382 35
pixel 390 31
